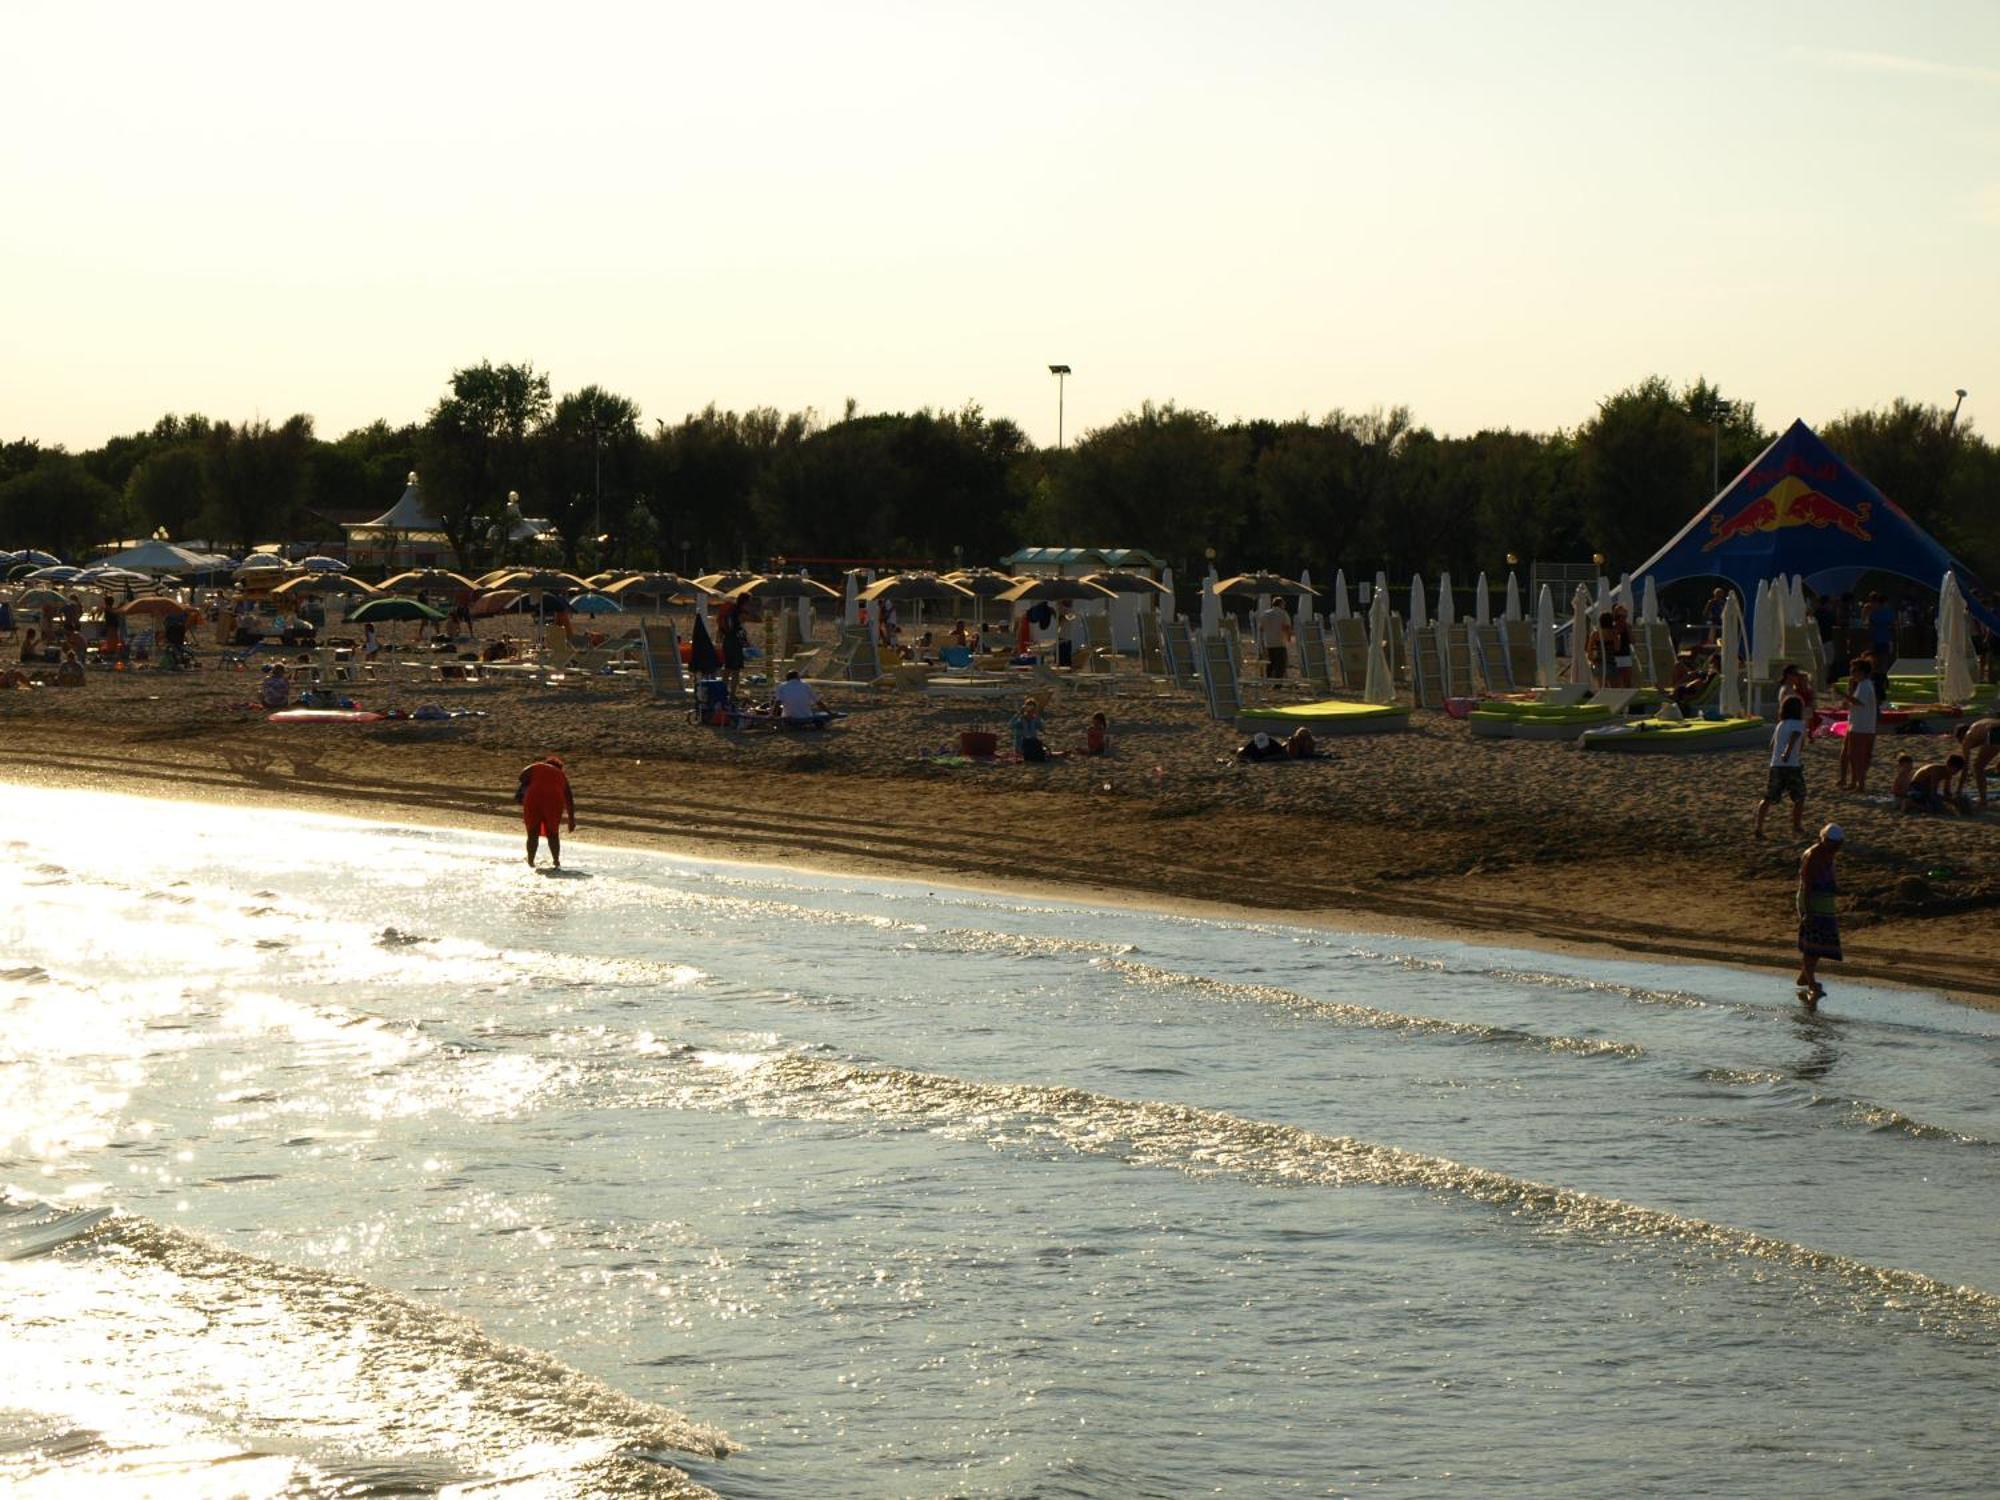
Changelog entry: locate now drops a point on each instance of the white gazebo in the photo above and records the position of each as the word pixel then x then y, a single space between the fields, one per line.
pixel 405 535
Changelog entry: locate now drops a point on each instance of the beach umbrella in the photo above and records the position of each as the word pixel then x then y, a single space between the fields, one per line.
pixel 1954 646
pixel 1579 636
pixel 986 583
pixel 722 583
pixel 497 602
pixel 323 583
pixel 151 604
pixel 1030 590
pixel 1602 600
pixel 1545 639
pixel 1764 621
pixel 916 587
pixel 1125 583
pixel 850 609
pixel 1211 603
pixel 1378 687
pixel 1307 595
pixel 1623 595
pixel 424 578
pixel 1651 600
pixel 1447 611
pixel 1419 616
pixel 1513 611
pixel 38 557
pixel 1250 585
pixel 53 573
pixel 1482 602
pixel 782 586
pixel 1341 609
pixel 41 599
pixel 263 562
pixel 594 603
pixel 1169 606
pixel 806 616
pixel 548 579
pixel 321 564
pixel 1798 599
pixel 1728 659
pixel 388 607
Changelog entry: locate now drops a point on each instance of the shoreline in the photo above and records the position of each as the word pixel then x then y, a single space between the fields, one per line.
pixel 1458 915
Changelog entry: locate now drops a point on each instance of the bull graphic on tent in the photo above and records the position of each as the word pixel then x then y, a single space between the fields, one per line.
pixel 1790 502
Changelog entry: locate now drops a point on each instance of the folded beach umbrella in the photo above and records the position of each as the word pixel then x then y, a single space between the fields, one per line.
pixel 1447 606
pixel 1169 608
pixel 1341 609
pixel 1378 687
pixel 1307 595
pixel 1513 597
pixel 850 609
pixel 702 658
pixel 1602 601
pixel 1579 636
pixel 1545 639
pixel 806 616
pixel 1419 616
pixel 1799 598
pixel 1729 658
pixel 1651 599
pixel 1954 653
pixel 1482 602
pixel 1211 603
pixel 1767 610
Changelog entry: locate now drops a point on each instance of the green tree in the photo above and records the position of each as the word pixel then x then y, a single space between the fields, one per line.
pixel 58 505
pixel 589 468
pixel 167 490
pixel 255 480
pixel 475 449
pixel 1171 480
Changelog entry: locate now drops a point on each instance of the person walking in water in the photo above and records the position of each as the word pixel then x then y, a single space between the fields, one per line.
pixel 546 800
pixel 1819 919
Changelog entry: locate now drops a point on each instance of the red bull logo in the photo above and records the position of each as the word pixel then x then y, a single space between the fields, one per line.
pixel 1790 502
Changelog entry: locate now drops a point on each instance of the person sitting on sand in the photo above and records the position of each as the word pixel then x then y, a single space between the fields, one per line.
pixel 14 677
pixel 1980 742
pixel 1300 746
pixel 546 799
pixel 1819 912
pixel 1788 774
pixel 276 690
pixel 1026 728
pixel 31 650
pixel 70 673
pixel 1261 746
pixel 1930 786
pixel 1899 784
pixel 1097 738
pixel 6 618
pixel 799 705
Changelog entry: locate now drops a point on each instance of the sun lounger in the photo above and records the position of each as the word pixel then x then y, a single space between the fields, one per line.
pixel 1350 650
pixel 1220 683
pixel 660 654
pixel 1182 660
pixel 1316 662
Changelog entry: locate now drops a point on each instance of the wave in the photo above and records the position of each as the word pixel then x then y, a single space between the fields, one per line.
pixel 1863 1113
pixel 1365 1015
pixel 202 1355
pixel 1204 1142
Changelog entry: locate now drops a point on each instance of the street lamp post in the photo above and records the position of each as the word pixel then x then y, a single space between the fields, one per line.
pixel 1951 422
pixel 1716 417
pixel 1061 373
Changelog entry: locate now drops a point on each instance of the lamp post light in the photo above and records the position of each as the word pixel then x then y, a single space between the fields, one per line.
pixel 1951 422
pixel 1061 373
pixel 1719 414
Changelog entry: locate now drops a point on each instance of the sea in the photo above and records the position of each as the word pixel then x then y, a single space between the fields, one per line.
pixel 346 1158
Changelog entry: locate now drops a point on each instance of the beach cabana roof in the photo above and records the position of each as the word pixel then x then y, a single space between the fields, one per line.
pixel 409 513
pixel 1801 509
pixel 156 558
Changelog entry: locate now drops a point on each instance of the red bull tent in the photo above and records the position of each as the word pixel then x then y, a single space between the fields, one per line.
pixel 1802 508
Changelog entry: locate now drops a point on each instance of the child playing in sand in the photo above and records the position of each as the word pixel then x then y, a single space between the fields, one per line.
pixel 1899 786
pixel 1097 738
pixel 1788 774
pixel 1930 786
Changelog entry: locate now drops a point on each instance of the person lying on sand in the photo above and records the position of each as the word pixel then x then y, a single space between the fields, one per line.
pixel 1930 786
pixel 1261 746
pixel 1980 742
pixel 1300 745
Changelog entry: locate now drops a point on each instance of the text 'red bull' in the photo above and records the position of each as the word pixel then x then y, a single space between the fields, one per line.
pixel 1790 502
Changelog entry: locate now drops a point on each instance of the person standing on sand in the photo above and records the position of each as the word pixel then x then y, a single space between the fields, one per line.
pixel 1788 771
pixel 1863 709
pixel 1274 634
pixel 546 799
pixel 1819 912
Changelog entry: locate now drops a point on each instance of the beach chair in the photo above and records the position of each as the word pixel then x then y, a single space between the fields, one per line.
pixel 1517 644
pixel 1653 643
pixel 1177 645
pixel 1487 648
pixel 854 657
pixel 1350 650
pixel 1618 700
pixel 1221 683
pixel 660 654
pixel 1316 663
pixel 1427 667
pixel 1455 648
pixel 1152 650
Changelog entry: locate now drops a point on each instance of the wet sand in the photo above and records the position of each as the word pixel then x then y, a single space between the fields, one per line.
pixel 1428 831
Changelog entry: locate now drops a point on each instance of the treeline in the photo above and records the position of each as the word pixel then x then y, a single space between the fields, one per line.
pixel 1365 491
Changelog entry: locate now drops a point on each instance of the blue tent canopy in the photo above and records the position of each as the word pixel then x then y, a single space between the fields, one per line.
pixel 1802 508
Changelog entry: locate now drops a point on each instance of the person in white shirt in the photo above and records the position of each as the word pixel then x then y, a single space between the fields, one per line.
pixel 1274 634
pixel 1863 705
pixel 1788 771
pixel 797 702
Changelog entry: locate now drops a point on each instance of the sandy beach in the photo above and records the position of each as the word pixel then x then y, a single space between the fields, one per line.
pixel 1432 830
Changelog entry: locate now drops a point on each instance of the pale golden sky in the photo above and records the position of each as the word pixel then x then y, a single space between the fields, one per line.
pixel 1495 213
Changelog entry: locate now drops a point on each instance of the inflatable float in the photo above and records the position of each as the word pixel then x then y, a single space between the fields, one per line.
pixel 323 716
pixel 1334 716
pixel 1677 736
pixel 1507 720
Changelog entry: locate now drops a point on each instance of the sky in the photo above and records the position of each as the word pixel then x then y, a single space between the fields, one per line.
pixel 1493 213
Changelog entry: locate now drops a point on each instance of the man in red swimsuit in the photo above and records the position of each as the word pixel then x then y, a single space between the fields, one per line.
pixel 546 800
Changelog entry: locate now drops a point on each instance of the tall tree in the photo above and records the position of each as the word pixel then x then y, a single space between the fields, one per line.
pixel 255 480
pixel 167 491
pixel 590 466
pixel 58 505
pixel 475 449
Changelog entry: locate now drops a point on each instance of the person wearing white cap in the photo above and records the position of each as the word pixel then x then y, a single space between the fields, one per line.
pixel 1819 918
